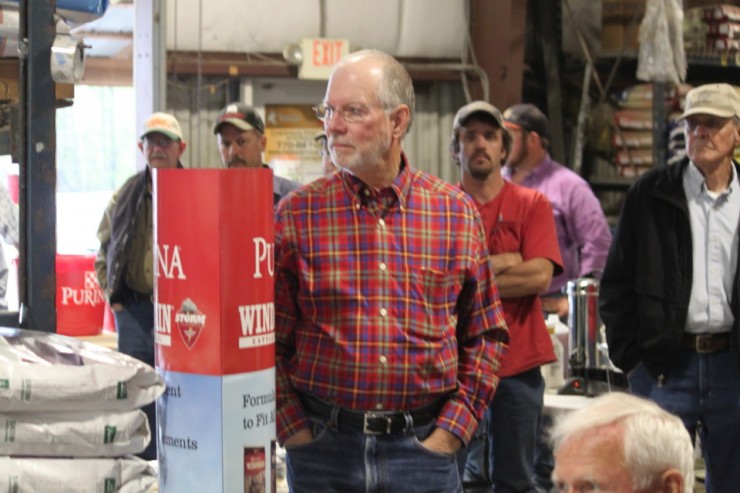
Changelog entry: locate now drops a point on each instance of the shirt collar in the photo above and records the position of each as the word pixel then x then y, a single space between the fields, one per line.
pixel 400 186
pixel 694 183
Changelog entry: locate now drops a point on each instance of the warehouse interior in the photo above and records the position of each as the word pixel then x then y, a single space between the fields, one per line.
pixel 68 134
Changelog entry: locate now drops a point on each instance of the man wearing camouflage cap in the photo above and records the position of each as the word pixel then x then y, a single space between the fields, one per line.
pixel 124 263
pixel 670 292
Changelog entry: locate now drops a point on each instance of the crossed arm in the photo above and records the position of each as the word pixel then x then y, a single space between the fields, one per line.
pixel 516 277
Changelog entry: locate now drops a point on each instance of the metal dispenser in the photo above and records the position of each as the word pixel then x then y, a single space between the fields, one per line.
pixel 592 372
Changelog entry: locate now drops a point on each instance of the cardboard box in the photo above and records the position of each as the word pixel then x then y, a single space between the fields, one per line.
pixel 616 34
pixel 707 3
pixel 214 330
pixel 624 10
pixel 616 18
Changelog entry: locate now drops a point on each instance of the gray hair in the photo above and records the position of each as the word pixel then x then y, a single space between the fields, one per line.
pixel 654 439
pixel 396 87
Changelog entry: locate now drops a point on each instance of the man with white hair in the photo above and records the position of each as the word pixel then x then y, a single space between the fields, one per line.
pixel 670 293
pixel 622 444
pixel 388 324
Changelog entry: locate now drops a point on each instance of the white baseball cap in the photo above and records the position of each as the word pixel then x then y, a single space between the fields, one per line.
pixel 712 99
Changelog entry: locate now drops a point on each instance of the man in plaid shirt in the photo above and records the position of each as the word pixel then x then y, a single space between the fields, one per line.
pixel 389 328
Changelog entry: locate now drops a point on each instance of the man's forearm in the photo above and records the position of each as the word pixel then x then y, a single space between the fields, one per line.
pixel 529 278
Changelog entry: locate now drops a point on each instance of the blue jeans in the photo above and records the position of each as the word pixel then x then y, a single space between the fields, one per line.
pixel 512 433
pixel 704 391
pixel 345 461
pixel 135 328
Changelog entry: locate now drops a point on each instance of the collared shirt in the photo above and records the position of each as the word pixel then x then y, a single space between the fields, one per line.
pixel 385 300
pixel 281 186
pixel 714 222
pixel 583 233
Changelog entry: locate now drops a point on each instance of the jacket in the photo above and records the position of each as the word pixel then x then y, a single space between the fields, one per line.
pixel 645 289
pixel 119 220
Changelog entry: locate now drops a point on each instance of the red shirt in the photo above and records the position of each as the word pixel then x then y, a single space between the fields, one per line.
pixel 385 300
pixel 521 220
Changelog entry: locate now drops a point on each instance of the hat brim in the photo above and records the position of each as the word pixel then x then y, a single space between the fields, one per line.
pixel 169 134
pixel 237 122
pixel 704 110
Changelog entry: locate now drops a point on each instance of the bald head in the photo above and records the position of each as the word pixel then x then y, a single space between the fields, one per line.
pixel 392 83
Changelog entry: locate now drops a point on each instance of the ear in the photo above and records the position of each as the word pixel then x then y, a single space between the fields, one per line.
pixel 183 146
pixel 263 141
pixel 671 481
pixel 141 147
pixel 400 120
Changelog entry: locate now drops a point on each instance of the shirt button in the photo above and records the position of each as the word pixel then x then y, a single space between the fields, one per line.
pixel 379 406
pixel 382 266
pixel 383 312
pixel 381 223
pixel 357 206
pixel 383 360
pixel 366 192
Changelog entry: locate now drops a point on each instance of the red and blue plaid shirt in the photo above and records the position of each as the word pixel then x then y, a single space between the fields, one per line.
pixel 385 301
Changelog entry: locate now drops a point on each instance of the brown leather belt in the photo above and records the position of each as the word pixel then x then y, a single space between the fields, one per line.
pixel 708 343
pixel 372 422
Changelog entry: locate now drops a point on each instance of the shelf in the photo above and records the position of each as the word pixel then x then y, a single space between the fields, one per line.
pixel 611 184
pixel 714 58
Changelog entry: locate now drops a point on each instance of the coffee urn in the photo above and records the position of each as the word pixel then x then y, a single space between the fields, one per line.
pixel 592 372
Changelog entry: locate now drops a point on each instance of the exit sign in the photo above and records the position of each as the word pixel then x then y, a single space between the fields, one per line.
pixel 320 55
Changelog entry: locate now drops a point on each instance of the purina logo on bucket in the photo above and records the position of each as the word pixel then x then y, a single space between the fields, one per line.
pixel 89 294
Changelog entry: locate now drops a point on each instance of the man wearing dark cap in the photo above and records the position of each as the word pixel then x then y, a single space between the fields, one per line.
pixel 670 294
pixel 522 242
pixel 124 263
pixel 241 141
pixel 583 233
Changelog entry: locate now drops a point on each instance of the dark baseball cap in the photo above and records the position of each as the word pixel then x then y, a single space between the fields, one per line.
pixel 240 115
pixel 529 117
pixel 477 107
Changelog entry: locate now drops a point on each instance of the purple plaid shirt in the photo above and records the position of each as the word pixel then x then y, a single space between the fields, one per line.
pixel 385 300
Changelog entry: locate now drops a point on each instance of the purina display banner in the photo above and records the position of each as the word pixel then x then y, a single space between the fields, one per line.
pixel 214 330
pixel 214 285
pixel 201 449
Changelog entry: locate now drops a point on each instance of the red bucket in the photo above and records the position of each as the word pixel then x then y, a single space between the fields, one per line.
pixel 80 302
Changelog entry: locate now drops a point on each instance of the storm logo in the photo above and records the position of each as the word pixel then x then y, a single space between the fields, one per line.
pixel 190 323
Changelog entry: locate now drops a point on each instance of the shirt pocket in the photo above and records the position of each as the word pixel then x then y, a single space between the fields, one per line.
pixel 434 295
pixel 505 237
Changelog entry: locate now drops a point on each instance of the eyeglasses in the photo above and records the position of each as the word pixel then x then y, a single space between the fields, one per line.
pixel 158 141
pixel 350 113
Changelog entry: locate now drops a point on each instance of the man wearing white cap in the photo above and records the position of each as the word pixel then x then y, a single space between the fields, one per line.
pixel 241 142
pixel 670 293
pixel 124 263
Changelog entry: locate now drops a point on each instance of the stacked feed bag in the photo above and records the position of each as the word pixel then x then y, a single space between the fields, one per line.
pixel 712 28
pixel 632 139
pixel 70 414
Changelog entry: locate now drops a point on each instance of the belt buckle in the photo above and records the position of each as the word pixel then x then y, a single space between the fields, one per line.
pixel 373 415
pixel 703 343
